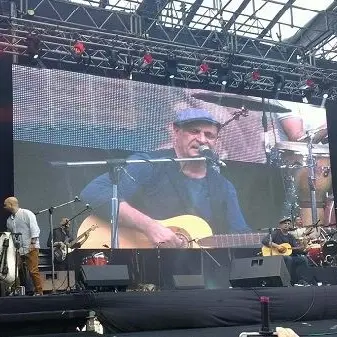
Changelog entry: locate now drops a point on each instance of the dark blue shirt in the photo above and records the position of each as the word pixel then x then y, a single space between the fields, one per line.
pixel 162 191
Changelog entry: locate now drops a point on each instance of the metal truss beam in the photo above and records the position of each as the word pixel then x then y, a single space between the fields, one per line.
pixel 57 41
pixel 193 10
pixel 277 17
pixel 151 8
pixel 231 21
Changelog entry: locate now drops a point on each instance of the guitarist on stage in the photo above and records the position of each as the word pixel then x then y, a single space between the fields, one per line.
pixel 297 263
pixel 62 236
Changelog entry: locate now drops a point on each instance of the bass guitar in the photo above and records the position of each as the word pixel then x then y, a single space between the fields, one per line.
pixel 61 249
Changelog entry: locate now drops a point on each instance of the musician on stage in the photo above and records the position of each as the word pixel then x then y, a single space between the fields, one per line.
pixel 151 192
pixel 24 221
pixel 302 232
pixel 62 236
pixel 297 263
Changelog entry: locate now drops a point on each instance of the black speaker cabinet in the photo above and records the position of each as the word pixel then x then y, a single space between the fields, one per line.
pixel 269 271
pixel 105 276
pixel 188 282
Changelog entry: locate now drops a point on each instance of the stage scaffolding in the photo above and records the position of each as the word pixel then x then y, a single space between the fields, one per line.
pixel 59 24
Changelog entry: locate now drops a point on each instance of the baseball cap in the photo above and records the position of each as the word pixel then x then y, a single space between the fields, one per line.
pixel 195 115
pixel 285 219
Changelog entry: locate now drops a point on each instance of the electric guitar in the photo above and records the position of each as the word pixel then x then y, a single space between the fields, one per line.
pixel 271 251
pixel 60 248
pixel 193 232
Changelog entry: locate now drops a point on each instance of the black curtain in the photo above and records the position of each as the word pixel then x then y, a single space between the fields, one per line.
pixel 6 134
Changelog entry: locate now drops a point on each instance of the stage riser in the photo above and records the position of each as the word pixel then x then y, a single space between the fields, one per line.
pixel 146 268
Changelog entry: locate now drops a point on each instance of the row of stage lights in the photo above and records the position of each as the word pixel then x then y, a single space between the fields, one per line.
pixel 202 69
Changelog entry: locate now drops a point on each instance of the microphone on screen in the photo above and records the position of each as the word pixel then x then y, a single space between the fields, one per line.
pixel 206 152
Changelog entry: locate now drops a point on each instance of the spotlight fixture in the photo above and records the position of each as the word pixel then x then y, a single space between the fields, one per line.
pixel 306 95
pixel 78 48
pixel 255 75
pixel 325 90
pixel 202 69
pixel 171 68
pixel 224 75
pixel 33 46
pixel 112 56
pixel 279 83
pixel 146 61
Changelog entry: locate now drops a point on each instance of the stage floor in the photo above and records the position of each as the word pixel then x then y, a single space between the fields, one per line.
pixel 158 313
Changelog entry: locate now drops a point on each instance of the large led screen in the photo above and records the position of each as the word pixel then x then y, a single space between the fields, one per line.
pixel 63 117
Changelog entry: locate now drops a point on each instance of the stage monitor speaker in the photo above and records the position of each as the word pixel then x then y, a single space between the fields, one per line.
pixel 105 276
pixel 270 271
pixel 60 280
pixel 182 282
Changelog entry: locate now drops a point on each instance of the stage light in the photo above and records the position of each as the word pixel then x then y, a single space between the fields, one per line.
pixel 202 69
pixel 79 48
pixel 171 68
pixel 224 75
pixel 33 46
pixel 306 96
pixel 279 83
pixel 112 56
pixel 255 75
pixel 325 90
pixel 146 61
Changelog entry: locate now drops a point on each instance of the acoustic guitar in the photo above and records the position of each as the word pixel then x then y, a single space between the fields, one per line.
pixel 267 251
pixel 192 230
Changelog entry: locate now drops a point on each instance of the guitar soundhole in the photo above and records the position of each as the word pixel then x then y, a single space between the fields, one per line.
pixel 184 240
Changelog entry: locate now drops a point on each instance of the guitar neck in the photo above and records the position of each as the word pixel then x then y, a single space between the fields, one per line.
pixel 233 240
pixel 80 237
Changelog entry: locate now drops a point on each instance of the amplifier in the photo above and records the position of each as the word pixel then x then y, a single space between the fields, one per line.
pixel 60 279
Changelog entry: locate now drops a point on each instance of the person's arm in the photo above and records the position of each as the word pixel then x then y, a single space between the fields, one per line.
pixel 293 128
pixel 34 228
pixel 266 242
pixel 155 232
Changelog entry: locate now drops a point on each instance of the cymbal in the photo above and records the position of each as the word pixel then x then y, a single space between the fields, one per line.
pixel 302 148
pixel 318 135
pixel 236 101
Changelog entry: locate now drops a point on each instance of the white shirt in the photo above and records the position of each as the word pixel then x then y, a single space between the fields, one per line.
pixel 24 222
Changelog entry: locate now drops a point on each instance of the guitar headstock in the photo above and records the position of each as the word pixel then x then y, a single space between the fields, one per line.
pixel 240 113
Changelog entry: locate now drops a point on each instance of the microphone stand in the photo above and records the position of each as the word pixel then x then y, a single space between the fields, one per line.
pixel 68 289
pixel 51 227
pixel 312 177
pixel 265 131
pixel 17 247
pixel 204 250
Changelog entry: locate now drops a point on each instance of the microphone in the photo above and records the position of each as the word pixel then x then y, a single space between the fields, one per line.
pixel 87 206
pixel 205 151
pixel 77 198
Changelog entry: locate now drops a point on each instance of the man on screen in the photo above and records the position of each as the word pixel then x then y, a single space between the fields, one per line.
pixel 149 192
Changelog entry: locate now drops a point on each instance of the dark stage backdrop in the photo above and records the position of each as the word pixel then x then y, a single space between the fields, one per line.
pixel 6 134
pixel 63 116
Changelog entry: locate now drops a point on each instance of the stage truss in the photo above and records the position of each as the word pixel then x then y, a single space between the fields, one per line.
pixel 59 24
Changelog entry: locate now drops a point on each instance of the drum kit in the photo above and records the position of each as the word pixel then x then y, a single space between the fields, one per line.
pixel 97 259
pixel 309 164
pixel 323 250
